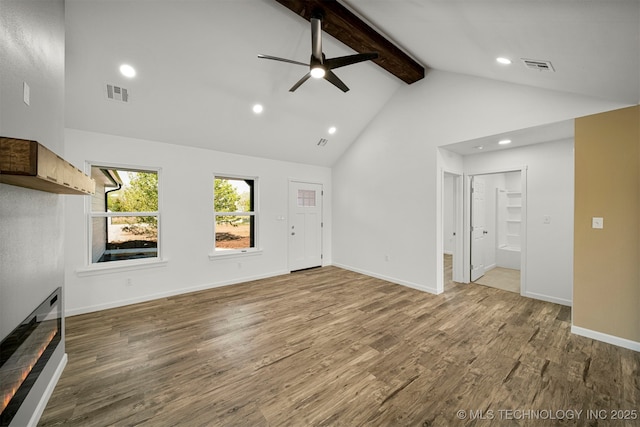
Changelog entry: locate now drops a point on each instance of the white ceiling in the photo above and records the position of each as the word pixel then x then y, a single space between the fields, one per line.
pixel 534 135
pixel 199 75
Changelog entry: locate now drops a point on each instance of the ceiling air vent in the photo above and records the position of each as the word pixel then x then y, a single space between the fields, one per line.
pixel 322 142
pixel 538 65
pixel 117 93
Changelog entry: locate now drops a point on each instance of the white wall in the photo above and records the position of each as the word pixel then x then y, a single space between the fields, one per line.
pixel 387 192
pixel 31 222
pixel 186 191
pixel 549 188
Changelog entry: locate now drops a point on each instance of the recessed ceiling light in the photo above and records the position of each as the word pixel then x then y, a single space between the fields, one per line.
pixel 127 70
pixel 504 142
pixel 332 130
pixel 317 72
pixel 478 147
pixel 257 108
pixel 504 61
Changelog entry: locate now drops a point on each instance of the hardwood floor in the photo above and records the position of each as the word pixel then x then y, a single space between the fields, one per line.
pixel 332 347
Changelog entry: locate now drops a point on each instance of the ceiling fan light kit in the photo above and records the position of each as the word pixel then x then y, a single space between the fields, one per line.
pixel 319 65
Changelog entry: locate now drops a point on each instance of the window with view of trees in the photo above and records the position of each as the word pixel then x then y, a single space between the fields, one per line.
pixel 234 213
pixel 124 214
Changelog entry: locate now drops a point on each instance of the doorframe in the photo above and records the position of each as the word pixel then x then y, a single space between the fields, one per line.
pixel 523 225
pixel 322 212
pixel 458 261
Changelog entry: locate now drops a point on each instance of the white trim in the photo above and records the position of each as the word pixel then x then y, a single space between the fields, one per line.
pixel 121 303
pixel 118 266
pixel 42 404
pixel 237 253
pixel 609 339
pixel 408 284
pixel 542 297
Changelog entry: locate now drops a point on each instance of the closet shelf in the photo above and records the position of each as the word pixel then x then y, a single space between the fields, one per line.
pixel 514 206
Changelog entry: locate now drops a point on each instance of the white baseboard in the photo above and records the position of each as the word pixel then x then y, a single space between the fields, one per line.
pixel 35 417
pixel 609 339
pixel 431 290
pixel 548 298
pixel 150 297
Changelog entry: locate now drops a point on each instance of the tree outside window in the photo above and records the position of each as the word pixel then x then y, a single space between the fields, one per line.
pixel 124 214
pixel 234 212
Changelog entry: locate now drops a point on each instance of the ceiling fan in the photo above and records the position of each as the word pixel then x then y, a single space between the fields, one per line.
pixel 319 65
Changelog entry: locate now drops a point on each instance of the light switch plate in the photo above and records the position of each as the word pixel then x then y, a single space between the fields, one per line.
pixel 597 222
pixel 26 93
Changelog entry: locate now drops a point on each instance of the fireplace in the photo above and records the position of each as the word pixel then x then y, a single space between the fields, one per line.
pixel 24 354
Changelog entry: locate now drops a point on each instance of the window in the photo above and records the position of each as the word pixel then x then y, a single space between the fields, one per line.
pixel 124 215
pixel 307 198
pixel 234 214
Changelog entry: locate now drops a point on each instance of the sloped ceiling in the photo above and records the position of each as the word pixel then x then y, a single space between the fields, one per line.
pixel 199 75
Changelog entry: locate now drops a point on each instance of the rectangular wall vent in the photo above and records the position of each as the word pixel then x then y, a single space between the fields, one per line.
pixel 117 93
pixel 538 65
pixel 322 142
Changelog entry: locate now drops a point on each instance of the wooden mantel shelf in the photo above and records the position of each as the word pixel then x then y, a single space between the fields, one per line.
pixel 29 164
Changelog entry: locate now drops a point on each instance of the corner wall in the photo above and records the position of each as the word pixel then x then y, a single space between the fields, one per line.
pixel 31 221
pixel 606 288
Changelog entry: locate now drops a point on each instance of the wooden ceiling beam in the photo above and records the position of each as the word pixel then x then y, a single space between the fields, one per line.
pixel 344 25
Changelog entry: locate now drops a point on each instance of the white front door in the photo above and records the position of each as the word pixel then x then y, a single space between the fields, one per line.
pixel 478 227
pixel 305 225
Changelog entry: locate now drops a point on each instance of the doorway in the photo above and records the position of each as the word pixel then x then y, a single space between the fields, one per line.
pixel 496 228
pixel 452 215
pixel 305 225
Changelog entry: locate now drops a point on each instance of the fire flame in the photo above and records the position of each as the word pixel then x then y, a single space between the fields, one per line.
pixel 25 372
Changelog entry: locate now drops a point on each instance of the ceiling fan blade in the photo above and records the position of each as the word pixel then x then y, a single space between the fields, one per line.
pixel 316 39
pixel 342 61
pixel 299 83
pixel 334 80
pixel 275 58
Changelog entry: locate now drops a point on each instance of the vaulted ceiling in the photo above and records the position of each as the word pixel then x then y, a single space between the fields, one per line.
pixel 198 75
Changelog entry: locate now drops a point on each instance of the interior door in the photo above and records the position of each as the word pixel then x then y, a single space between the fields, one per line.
pixel 305 225
pixel 478 227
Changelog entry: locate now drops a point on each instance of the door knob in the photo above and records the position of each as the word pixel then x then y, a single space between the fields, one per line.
pixel 485 232
pixel 293 234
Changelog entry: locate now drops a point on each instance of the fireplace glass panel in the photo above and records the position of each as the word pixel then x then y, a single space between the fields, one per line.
pixel 25 352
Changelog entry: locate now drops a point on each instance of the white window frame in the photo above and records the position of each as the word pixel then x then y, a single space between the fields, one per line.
pixel 90 215
pixel 218 253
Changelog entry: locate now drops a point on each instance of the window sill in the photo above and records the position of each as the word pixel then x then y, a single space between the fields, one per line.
pixel 118 266
pixel 234 254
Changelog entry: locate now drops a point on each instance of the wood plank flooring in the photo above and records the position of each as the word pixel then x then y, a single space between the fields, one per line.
pixel 332 347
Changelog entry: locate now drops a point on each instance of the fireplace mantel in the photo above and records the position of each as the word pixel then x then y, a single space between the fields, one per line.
pixel 29 164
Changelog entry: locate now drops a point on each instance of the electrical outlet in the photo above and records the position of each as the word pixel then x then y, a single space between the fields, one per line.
pixel 597 222
pixel 387 258
pixel 546 219
pixel 129 281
